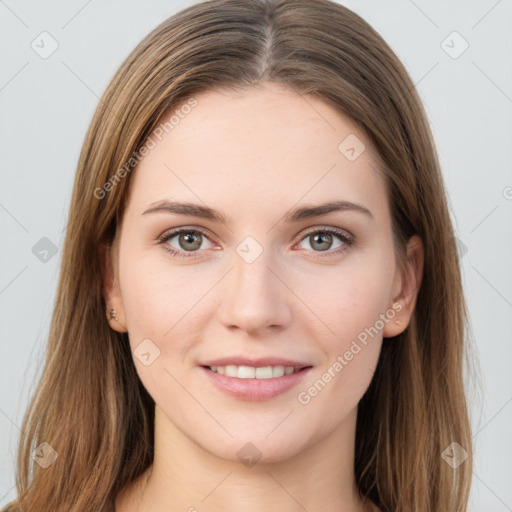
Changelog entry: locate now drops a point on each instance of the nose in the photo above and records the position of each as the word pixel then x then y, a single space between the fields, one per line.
pixel 254 297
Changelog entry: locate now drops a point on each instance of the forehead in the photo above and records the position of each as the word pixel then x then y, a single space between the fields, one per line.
pixel 255 147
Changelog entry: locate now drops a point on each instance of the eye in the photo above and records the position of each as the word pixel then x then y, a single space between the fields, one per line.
pixel 188 240
pixel 321 240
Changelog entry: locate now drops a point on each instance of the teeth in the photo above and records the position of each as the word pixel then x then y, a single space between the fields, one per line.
pixel 250 372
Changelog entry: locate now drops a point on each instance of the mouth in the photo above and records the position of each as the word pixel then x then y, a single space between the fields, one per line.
pixel 255 372
pixel 255 382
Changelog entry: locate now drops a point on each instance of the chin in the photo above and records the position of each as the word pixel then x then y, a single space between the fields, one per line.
pixel 258 449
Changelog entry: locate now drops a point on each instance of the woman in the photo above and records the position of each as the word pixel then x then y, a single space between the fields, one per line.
pixel 260 304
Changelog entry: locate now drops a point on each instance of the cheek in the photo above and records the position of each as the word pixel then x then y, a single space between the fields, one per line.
pixel 352 298
pixel 162 303
pixel 157 311
pixel 353 309
pixel 155 295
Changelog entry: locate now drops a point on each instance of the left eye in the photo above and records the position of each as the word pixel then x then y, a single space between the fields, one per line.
pixel 321 240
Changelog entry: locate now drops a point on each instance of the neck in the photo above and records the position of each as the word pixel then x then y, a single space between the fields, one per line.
pixel 186 477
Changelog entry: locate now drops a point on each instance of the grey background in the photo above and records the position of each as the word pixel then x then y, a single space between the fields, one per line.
pixel 46 106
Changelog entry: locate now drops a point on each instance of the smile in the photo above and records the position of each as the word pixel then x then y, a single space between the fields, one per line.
pixel 254 383
pixel 252 372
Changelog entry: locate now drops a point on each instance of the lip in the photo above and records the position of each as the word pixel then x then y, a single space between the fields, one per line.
pixel 257 362
pixel 255 389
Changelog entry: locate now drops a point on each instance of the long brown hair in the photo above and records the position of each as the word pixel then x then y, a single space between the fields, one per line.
pixel 90 406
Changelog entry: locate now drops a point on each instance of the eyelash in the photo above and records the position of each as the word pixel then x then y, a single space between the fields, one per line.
pixel 348 240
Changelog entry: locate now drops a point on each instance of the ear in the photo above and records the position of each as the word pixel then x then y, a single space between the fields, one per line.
pixel 406 287
pixel 110 287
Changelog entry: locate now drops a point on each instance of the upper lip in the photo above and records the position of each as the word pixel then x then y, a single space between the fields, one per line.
pixel 256 362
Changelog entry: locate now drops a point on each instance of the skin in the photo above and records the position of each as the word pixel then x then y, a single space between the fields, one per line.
pixel 254 154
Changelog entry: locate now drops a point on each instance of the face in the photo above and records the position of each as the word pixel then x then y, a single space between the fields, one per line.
pixel 260 279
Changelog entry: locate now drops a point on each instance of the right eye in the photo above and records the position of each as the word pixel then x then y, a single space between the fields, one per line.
pixel 188 241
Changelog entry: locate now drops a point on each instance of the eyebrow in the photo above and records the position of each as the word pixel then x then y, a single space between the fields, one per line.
pixel 294 215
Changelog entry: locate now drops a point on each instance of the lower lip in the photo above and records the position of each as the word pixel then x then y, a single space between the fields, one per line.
pixel 255 389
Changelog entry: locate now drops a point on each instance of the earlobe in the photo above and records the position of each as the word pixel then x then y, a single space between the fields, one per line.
pixel 111 289
pixel 397 324
pixel 410 282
